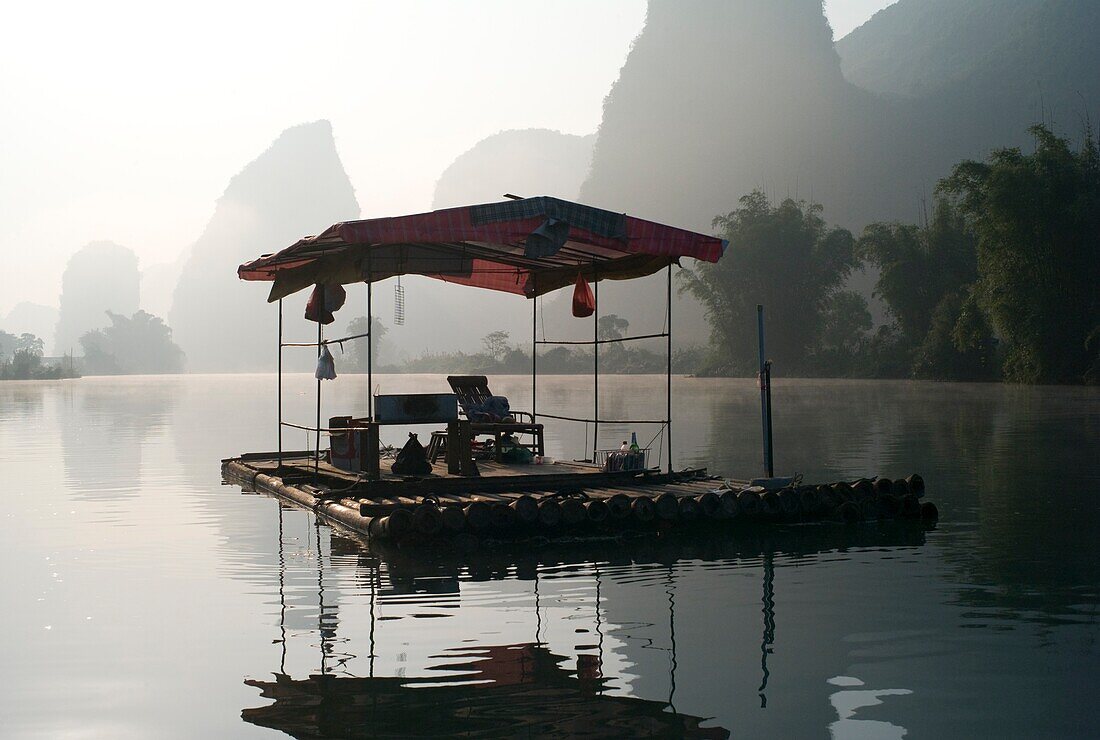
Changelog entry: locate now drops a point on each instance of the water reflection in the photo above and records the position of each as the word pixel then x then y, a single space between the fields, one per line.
pixel 521 690
pixel 388 669
pixel 850 699
pixel 991 620
pixel 1021 466
pixel 107 429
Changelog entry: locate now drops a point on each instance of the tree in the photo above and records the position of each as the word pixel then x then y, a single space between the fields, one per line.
pixel 8 344
pixel 30 344
pixel 958 345
pixel 139 344
pixel 25 364
pixel 845 323
pixel 357 348
pixel 926 278
pixel 496 344
pixel 611 326
pixel 1037 219
pixel 21 359
pixel 920 265
pixel 784 257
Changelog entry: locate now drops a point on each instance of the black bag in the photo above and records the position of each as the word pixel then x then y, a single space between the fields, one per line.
pixel 412 459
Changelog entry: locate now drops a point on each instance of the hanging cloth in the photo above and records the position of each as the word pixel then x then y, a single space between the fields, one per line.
pixel 326 366
pixel 324 301
pixel 548 239
pixel 584 303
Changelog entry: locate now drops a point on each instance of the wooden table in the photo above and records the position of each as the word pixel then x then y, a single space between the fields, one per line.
pixel 460 436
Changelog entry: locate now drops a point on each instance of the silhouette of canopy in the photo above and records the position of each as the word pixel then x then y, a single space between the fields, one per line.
pixel 527 246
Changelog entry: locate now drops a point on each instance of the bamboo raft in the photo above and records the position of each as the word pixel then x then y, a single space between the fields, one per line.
pixel 526 247
pixel 561 500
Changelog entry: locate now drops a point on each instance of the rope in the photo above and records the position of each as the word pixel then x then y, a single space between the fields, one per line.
pixel 564 493
pixel 326 491
pixel 339 341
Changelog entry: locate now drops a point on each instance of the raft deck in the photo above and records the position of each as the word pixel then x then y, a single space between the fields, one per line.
pixel 575 499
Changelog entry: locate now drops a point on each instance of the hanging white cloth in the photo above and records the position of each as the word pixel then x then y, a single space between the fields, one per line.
pixel 326 366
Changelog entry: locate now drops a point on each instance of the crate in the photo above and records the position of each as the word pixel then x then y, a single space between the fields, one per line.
pixel 612 461
pixel 348 450
pixel 416 408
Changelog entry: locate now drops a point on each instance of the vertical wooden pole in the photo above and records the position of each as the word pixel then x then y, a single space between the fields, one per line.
pixel 453 465
pixel 370 339
pixel 765 422
pixel 668 371
pixel 372 465
pixel 279 383
pixel 534 357
pixel 317 450
pixel 595 363
pixel 768 395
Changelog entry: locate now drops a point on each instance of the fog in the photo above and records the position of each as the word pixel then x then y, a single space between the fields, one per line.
pixel 124 121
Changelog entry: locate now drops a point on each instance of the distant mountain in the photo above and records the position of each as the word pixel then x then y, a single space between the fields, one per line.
pixel 1034 49
pixel 31 318
pixel 100 277
pixel 295 188
pixel 716 99
pixel 719 98
pixel 158 283
pixel 525 162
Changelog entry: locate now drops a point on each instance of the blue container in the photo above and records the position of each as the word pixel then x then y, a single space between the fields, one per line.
pixel 416 408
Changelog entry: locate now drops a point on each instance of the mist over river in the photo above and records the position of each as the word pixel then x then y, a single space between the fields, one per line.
pixel 145 598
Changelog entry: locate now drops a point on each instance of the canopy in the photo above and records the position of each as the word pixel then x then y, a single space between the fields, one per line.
pixel 527 246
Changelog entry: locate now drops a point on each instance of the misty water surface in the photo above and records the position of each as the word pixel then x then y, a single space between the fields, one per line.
pixel 143 598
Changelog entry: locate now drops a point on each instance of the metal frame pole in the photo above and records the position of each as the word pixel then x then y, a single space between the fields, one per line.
pixel 763 382
pixel 768 395
pixel 668 371
pixel 370 338
pixel 370 350
pixel 534 356
pixel 279 383
pixel 317 450
pixel 595 363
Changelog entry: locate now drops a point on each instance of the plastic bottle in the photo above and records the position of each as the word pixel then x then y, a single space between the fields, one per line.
pixel 624 448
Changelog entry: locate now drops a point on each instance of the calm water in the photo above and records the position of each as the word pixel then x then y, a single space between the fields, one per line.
pixel 143 598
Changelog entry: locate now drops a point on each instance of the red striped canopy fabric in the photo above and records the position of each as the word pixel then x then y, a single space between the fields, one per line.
pixel 528 247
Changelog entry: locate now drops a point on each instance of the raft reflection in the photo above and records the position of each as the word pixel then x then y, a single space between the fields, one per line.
pixel 504 690
pixel 545 685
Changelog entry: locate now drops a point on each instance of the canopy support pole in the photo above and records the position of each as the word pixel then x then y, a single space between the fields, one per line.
pixel 317 449
pixel 595 362
pixel 370 338
pixel 668 371
pixel 534 356
pixel 279 384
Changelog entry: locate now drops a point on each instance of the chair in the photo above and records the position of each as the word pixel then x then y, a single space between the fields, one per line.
pixel 437 447
pixel 472 392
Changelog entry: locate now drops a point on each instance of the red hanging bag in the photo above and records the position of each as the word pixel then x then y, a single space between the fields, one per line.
pixel 323 301
pixel 584 303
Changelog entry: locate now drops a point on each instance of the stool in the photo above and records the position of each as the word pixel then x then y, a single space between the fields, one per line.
pixel 437 446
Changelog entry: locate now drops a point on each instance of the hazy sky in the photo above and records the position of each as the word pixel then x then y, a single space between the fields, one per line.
pixel 125 120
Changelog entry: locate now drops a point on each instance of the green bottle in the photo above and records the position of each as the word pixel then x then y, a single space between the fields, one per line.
pixel 634 442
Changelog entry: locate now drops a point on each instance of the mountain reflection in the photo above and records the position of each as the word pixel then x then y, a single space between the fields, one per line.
pixel 107 426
